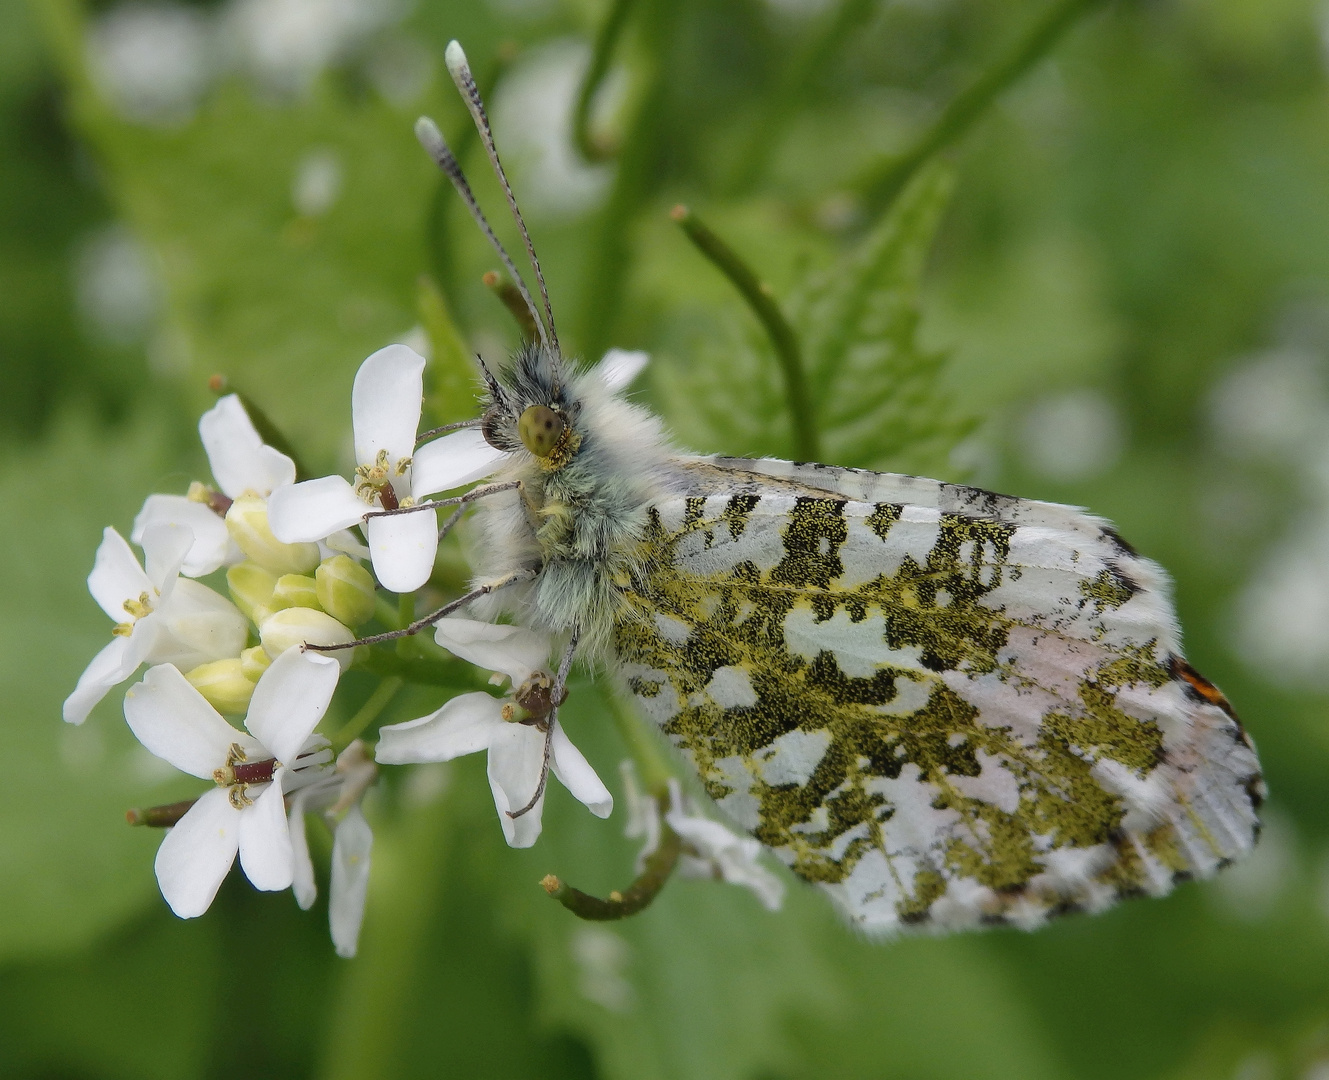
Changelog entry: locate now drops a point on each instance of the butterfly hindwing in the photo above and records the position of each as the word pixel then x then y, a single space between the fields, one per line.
pixel 942 716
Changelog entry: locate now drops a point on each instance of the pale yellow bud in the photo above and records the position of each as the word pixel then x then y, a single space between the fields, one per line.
pixel 254 662
pixel 224 684
pixel 345 589
pixel 295 590
pixel 247 522
pixel 300 626
pixel 251 588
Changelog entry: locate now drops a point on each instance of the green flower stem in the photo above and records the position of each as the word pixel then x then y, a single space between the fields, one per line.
pixel 368 713
pixel 591 148
pixel 376 1002
pixel 160 817
pixel 637 896
pixel 511 299
pixel 785 341
pixel 969 104
pixel 643 744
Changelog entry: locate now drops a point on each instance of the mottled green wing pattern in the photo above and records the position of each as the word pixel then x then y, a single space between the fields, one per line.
pixel 947 711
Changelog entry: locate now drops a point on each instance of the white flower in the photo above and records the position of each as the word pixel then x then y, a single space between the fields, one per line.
pixel 710 850
pixel 161 618
pixel 246 812
pixel 242 464
pixel 473 722
pixel 385 415
pixel 337 797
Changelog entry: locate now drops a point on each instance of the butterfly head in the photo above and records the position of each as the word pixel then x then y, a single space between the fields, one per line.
pixel 528 406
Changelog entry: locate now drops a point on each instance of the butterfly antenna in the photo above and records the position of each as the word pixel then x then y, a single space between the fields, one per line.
pixel 460 71
pixel 427 132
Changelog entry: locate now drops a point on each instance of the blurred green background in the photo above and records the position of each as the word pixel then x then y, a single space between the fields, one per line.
pixel 1127 292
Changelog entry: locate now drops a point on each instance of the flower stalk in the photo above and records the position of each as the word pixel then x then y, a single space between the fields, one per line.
pixel 659 865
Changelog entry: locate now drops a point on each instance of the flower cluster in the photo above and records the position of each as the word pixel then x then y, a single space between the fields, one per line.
pixel 294 569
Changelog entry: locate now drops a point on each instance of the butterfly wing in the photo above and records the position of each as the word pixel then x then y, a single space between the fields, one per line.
pixel 944 717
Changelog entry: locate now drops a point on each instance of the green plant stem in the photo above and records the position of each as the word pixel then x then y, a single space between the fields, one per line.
pixel 511 298
pixel 880 189
pixel 637 896
pixel 644 745
pixel 367 714
pixel 785 341
pixel 591 148
pixel 420 671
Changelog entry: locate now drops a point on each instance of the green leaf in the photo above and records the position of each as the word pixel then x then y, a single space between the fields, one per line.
pixel 877 391
pixel 73 867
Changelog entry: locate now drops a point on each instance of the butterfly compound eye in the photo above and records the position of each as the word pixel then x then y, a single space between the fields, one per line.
pixel 539 429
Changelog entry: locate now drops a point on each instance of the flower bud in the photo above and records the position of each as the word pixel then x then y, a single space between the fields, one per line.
pixel 295 590
pixel 298 626
pixel 345 590
pixel 251 588
pixel 224 684
pixel 247 522
pixel 254 662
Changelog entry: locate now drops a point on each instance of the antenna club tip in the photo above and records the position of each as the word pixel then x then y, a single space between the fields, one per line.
pixel 429 135
pixel 454 56
pixel 680 213
pixel 490 278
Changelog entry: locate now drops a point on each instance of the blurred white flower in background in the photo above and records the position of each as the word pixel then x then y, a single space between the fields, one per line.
pixel 1072 435
pixel 1275 408
pixel 1271 405
pixel 286 44
pixel 601 958
pixel 114 287
pixel 317 182
pixel 152 62
pixel 533 109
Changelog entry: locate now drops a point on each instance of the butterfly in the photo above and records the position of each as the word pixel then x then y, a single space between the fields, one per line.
pixel 944 706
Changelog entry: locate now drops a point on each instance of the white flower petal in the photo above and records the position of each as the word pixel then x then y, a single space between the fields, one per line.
pixel 343 542
pixel 175 722
pixel 165 548
pixel 196 854
pixel 464 725
pixel 116 576
pixel 302 866
pixel 577 776
pixel 402 548
pixel 289 701
pixel 265 840
pixel 351 846
pixel 240 459
pixel 513 650
pixel 200 625
pixel 516 755
pixel 212 544
pixel 461 457
pixel 620 366
pixel 385 404
pixel 314 509
pixel 110 667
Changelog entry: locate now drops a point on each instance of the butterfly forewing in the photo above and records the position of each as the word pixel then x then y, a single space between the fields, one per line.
pixel 944 706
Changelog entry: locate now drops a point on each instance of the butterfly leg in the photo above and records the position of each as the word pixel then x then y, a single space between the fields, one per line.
pixel 459 501
pixel 556 695
pixel 433 617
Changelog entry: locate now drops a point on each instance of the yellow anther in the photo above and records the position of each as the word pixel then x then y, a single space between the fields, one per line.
pixel 238 797
pixel 403 465
pixel 136 609
pixel 199 493
pixel 123 629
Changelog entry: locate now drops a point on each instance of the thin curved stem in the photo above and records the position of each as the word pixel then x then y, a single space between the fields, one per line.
pixel 788 350
pixel 591 148
pixel 366 714
pixel 970 103
pixel 637 896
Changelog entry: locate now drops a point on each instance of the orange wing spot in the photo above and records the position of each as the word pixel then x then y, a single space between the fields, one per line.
pixel 1199 684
